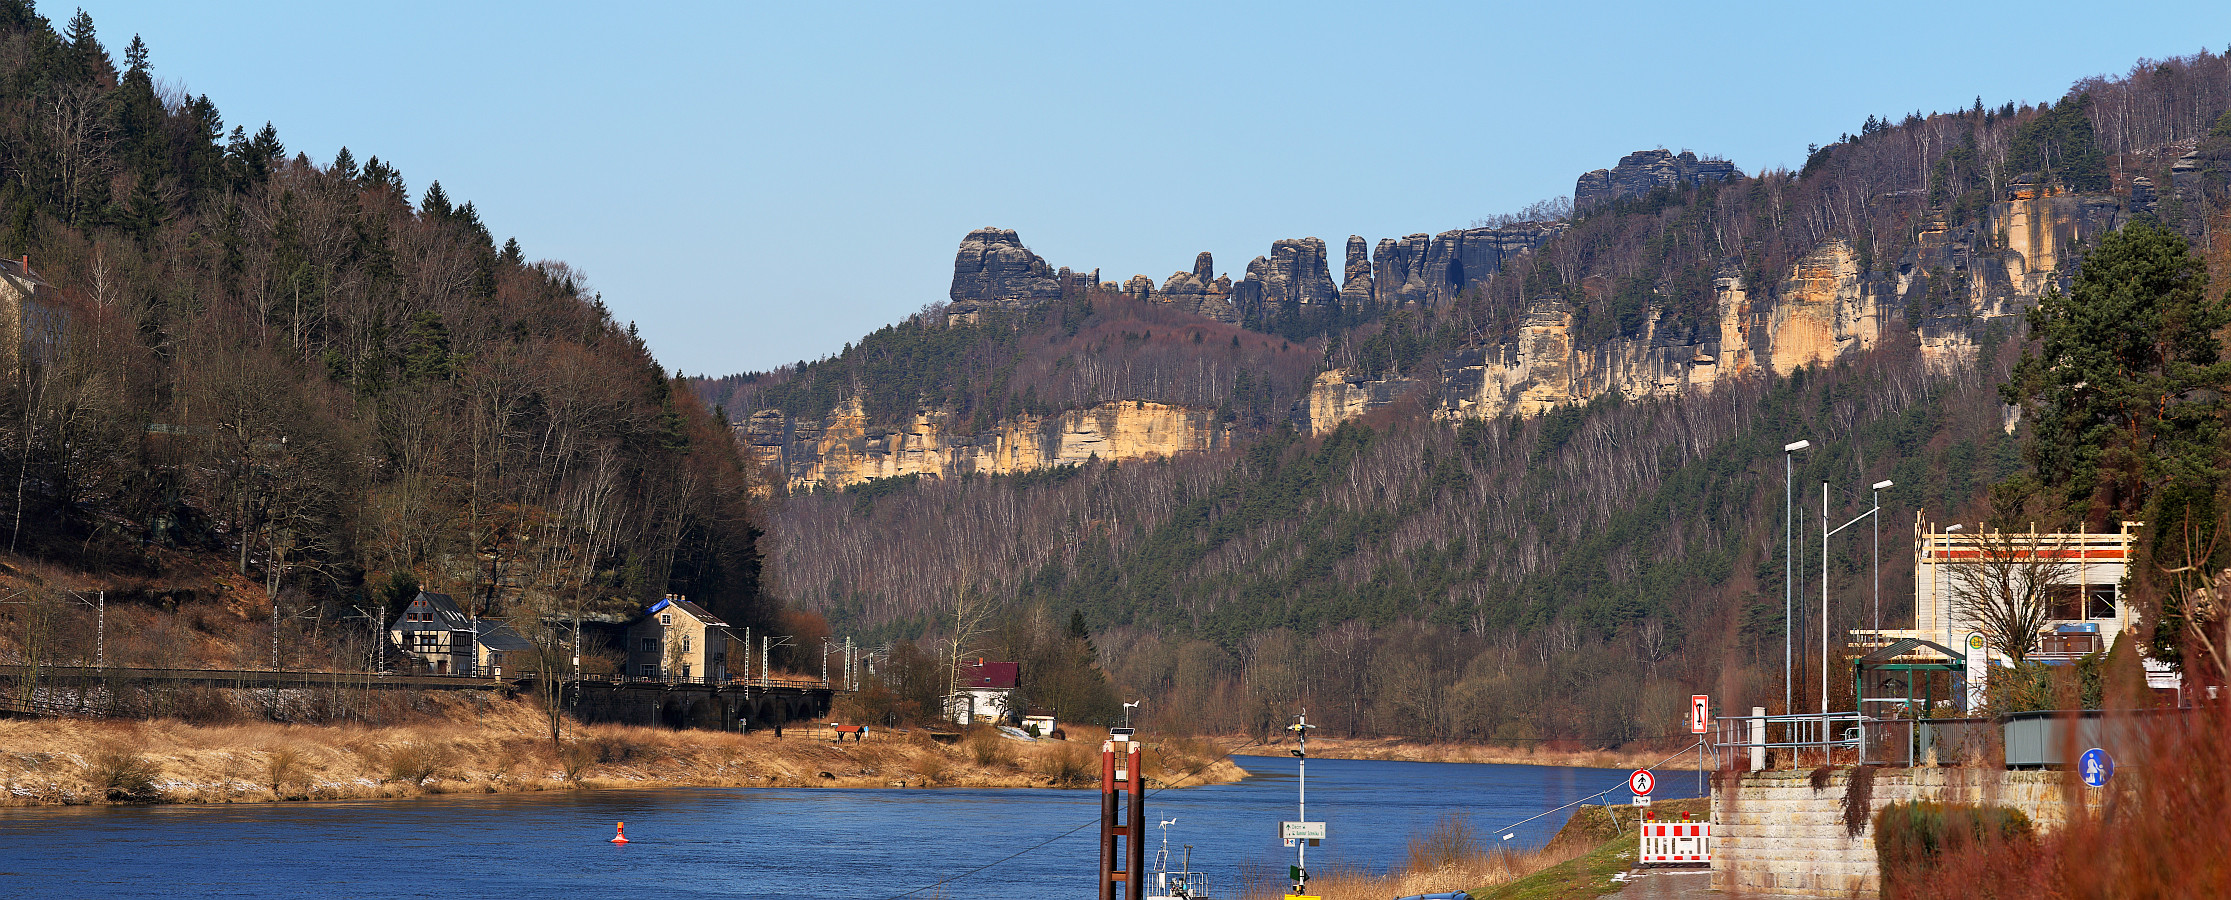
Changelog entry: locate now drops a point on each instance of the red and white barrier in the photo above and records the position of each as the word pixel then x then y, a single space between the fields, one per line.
pixel 1681 843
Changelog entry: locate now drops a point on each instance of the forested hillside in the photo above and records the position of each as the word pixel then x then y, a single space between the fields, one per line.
pixel 1569 576
pixel 267 376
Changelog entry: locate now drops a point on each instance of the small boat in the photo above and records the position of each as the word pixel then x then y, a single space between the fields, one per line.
pixel 1182 883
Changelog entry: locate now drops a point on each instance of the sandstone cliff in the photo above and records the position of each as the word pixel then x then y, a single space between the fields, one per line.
pixel 1644 171
pixel 1952 285
pixel 841 450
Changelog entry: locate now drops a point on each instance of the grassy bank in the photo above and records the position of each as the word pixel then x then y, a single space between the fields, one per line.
pixel 504 746
pixel 1405 750
pixel 1577 863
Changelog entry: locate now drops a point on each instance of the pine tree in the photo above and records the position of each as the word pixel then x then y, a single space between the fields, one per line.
pixel 512 254
pixel 344 165
pixel 435 205
pixel 135 55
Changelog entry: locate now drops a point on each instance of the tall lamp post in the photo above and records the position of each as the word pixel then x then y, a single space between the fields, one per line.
pixel 1826 533
pixel 1879 485
pixel 1789 576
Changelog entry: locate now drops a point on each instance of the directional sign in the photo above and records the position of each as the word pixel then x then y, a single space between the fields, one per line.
pixel 2096 767
pixel 1641 782
pixel 1313 831
pixel 1700 712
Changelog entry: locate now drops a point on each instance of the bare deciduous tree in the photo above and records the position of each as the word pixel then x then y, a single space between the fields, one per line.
pixel 2005 590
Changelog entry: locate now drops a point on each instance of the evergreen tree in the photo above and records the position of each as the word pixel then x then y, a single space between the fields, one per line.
pixel 135 56
pixel 435 204
pixel 2125 398
pixel 344 165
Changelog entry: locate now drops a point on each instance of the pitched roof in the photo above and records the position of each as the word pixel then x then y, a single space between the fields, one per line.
pixel 502 638
pixel 993 675
pixel 445 608
pixel 695 611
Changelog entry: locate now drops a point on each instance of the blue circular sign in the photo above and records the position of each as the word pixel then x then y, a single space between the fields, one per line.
pixel 2096 767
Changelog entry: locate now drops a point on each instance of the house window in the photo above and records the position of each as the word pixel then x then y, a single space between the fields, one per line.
pixel 666 619
pixel 650 670
pixel 685 643
pixel 2100 601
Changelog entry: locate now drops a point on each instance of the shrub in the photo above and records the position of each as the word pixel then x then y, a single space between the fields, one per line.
pixel 1069 765
pixel 282 766
pixel 987 746
pixel 1910 838
pixel 415 763
pixel 1451 841
pixel 123 775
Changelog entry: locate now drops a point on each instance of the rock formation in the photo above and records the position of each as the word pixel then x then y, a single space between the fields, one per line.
pixel 1643 171
pixel 994 269
pixel 1419 269
pixel 1355 280
pixel 1295 272
pixel 841 450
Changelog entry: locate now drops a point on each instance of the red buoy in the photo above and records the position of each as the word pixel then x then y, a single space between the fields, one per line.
pixel 621 837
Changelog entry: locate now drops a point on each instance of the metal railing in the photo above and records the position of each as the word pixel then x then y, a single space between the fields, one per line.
pixel 1810 731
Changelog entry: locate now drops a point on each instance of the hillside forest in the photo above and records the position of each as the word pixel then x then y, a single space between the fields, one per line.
pixel 1572 577
pixel 261 398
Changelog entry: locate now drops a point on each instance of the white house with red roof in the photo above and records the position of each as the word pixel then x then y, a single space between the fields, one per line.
pixel 982 692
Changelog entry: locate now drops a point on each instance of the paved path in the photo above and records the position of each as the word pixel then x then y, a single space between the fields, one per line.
pixel 1680 884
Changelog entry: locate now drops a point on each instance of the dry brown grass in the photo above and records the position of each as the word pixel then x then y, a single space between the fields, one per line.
pixel 1405 750
pixel 462 747
pixel 1447 857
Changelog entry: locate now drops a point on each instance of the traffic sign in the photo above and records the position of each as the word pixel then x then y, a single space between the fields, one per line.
pixel 2096 767
pixel 1313 831
pixel 1700 712
pixel 1641 782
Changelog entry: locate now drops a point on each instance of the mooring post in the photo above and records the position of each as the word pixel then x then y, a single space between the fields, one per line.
pixel 1120 773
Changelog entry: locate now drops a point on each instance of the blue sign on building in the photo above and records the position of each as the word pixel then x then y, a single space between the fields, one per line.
pixel 2096 767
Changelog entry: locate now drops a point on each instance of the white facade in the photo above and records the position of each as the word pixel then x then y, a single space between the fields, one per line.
pixel 2092 592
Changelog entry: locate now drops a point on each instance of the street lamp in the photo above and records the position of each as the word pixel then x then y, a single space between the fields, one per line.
pixel 1789 576
pixel 1879 485
pixel 1826 533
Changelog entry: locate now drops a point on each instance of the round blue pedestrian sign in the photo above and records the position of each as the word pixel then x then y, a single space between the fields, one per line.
pixel 2096 767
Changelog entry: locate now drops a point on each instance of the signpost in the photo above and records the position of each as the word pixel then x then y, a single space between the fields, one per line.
pixel 1700 719
pixel 2096 767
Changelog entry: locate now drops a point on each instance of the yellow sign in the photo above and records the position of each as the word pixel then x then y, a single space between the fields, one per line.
pixel 1303 897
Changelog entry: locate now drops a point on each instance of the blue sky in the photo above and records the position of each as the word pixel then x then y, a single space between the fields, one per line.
pixel 759 184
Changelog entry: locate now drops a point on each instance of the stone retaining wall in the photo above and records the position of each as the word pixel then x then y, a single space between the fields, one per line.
pixel 1776 834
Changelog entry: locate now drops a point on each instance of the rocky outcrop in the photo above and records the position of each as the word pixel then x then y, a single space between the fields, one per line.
pixel 1434 270
pixel 1644 171
pixel 1355 281
pixel 1201 291
pixel 994 269
pixel 1337 396
pixel 840 450
pixel 1295 272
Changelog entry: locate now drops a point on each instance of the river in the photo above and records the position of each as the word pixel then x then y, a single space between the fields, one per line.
pixel 763 843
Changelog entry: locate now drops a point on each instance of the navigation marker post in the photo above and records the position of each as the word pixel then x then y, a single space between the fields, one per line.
pixel 1300 834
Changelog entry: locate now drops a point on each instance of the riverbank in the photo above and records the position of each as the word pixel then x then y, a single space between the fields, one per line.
pixel 504 746
pixel 1406 750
